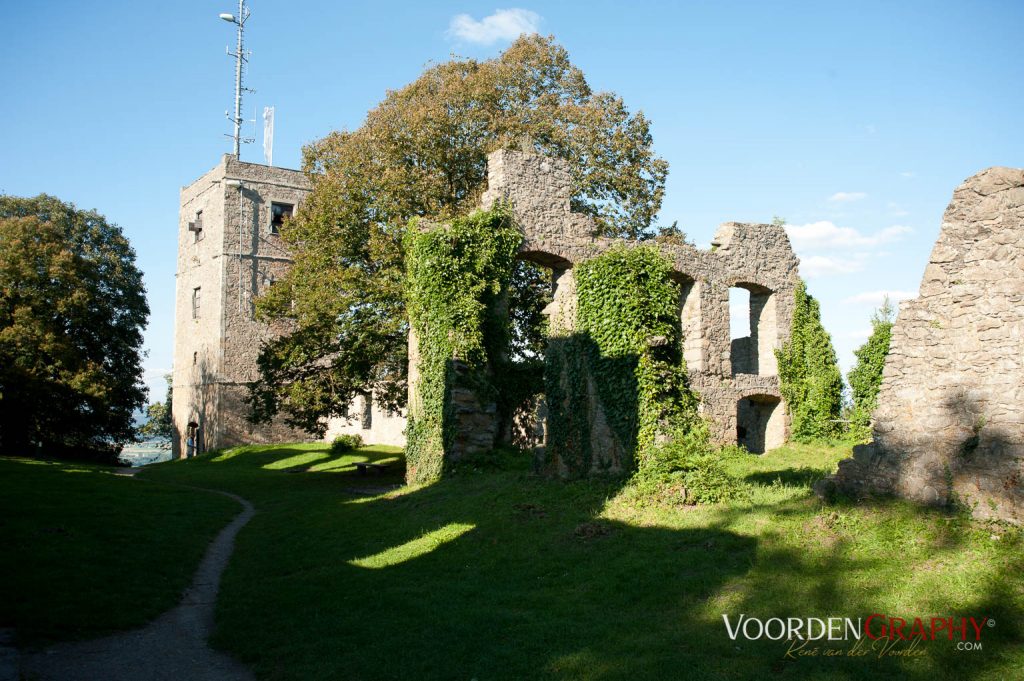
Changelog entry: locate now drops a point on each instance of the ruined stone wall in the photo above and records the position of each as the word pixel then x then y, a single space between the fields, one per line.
pixel 950 421
pixel 753 256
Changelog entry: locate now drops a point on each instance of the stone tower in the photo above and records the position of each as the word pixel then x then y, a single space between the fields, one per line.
pixel 229 251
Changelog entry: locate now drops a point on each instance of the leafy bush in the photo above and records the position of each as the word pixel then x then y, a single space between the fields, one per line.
pixel 346 443
pixel 686 471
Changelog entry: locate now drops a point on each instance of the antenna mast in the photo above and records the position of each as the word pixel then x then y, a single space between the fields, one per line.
pixel 240 60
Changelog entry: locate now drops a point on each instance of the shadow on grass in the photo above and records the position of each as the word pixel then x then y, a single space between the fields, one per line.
pixel 506 575
pixel 789 477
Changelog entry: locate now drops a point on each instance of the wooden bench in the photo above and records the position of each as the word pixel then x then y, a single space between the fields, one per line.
pixel 375 467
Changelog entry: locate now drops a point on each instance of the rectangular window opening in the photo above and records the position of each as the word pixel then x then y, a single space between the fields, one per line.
pixel 278 213
pixel 195 302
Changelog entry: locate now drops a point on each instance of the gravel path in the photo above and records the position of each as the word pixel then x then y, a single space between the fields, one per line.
pixel 171 647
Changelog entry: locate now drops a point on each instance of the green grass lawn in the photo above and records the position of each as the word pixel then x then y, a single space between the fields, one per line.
pixel 504 575
pixel 84 552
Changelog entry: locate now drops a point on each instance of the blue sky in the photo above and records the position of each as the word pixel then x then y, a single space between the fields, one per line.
pixel 854 121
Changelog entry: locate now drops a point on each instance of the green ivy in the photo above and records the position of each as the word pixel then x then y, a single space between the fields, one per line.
pixel 457 278
pixel 630 342
pixel 866 377
pixel 811 382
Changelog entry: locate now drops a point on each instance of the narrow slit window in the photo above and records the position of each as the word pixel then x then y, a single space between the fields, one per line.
pixel 197 227
pixel 196 300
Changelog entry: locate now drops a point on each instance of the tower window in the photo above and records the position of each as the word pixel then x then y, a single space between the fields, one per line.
pixel 278 213
pixel 195 302
pixel 197 227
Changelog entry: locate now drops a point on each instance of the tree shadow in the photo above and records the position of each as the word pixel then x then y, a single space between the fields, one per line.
pixel 789 477
pixel 963 457
pixel 512 575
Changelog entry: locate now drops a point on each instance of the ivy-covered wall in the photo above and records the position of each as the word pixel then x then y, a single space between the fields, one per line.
pixel 618 393
pixel 456 288
pixel 621 369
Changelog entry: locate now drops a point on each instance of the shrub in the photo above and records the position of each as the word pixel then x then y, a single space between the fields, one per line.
pixel 686 471
pixel 346 443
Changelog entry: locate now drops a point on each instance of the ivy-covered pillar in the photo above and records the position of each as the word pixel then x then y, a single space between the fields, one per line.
pixel 457 277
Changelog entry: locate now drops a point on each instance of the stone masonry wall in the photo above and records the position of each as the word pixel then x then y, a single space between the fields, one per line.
pixel 950 420
pixel 754 256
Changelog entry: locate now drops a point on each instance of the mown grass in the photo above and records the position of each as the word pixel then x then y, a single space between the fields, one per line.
pixel 84 552
pixel 498 574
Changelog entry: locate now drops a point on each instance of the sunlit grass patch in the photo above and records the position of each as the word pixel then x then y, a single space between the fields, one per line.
pixel 295 461
pixel 415 548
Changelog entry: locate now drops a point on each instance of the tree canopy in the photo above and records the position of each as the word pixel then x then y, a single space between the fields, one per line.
pixel 422 152
pixel 866 377
pixel 811 382
pixel 72 311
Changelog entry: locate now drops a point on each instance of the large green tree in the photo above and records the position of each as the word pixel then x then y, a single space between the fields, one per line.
pixel 811 382
pixel 422 152
pixel 866 377
pixel 72 311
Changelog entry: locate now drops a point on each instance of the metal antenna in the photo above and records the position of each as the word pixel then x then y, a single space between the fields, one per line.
pixel 240 60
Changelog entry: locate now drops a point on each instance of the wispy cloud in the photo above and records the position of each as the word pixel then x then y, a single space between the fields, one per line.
pixel 824 235
pixel 908 174
pixel 847 197
pixel 876 298
pixel 825 265
pixel 504 24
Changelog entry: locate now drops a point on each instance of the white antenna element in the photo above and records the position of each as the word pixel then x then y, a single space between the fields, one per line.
pixel 268 134
pixel 240 60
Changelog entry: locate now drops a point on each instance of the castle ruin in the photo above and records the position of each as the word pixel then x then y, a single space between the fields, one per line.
pixel 736 380
pixel 229 250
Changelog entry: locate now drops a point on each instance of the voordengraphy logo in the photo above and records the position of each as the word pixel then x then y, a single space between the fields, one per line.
pixel 885 635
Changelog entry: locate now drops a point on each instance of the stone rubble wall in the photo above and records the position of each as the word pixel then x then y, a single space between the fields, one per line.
pixel 950 420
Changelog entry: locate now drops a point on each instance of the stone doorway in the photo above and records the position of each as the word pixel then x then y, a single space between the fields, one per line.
pixel 760 424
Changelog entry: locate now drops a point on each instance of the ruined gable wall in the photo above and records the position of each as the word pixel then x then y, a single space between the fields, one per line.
pixel 755 256
pixel 950 421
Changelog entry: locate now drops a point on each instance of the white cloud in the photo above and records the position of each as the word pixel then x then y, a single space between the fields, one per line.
pixel 824 265
pixel 504 24
pixel 908 174
pixel 847 197
pixel 876 298
pixel 827 235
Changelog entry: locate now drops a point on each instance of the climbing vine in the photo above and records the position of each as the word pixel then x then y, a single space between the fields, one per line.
pixel 457 278
pixel 628 346
pixel 811 382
